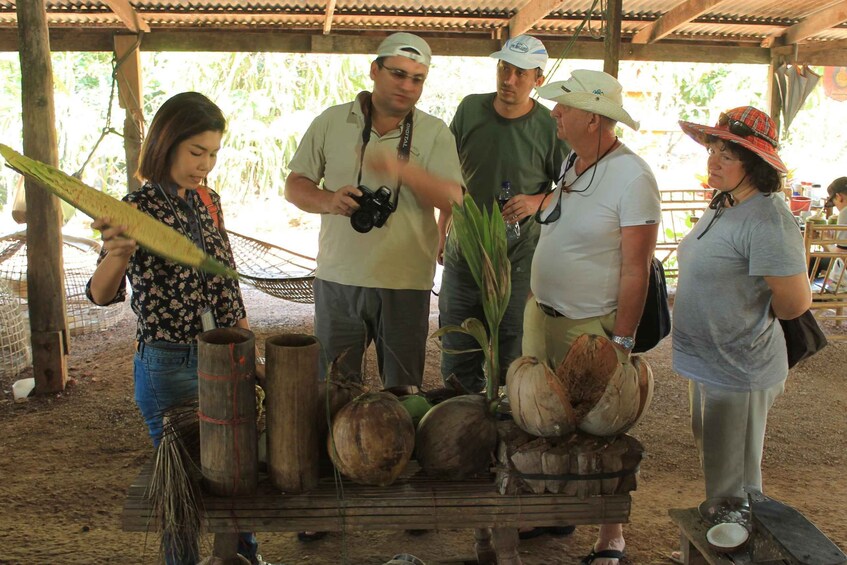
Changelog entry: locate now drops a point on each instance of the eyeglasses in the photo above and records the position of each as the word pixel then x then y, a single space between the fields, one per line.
pixel 743 130
pixel 400 75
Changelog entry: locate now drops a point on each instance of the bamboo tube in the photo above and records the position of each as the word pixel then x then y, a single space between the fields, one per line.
pixel 292 403
pixel 226 372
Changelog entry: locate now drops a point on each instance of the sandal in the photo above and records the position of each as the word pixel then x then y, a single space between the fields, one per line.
pixel 602 554
pixel 311 536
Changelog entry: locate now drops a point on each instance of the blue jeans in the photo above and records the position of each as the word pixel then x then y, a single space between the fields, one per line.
pixel 166 376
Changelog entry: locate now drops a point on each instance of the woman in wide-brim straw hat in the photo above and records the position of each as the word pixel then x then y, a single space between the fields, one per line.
pixel 741 268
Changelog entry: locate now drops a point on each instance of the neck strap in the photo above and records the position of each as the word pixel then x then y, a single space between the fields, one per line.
pixel 404 147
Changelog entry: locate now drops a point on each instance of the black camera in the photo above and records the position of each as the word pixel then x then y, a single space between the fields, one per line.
pixel 374 209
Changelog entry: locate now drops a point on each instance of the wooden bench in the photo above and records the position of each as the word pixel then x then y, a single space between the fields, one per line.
pixel 828 283
pixel 693 547
pixel 413 502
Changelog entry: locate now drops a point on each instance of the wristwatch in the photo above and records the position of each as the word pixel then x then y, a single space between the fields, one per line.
pixel 626 342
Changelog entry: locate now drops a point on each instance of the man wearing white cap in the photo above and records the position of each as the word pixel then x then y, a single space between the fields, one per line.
pixel 501 136
pixel 376 169
pixel 591 266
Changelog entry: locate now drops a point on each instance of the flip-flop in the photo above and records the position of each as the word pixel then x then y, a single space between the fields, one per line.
pixel 676 557
pixel 310 536
pixel 602 554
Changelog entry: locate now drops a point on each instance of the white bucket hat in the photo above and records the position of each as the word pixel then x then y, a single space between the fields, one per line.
pixel 524 52
pixel 407 45
pixel 593 91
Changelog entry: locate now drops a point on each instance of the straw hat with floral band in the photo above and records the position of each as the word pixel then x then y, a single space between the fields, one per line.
pixel 747 126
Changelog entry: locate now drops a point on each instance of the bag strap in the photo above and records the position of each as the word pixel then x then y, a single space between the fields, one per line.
pixel 214 211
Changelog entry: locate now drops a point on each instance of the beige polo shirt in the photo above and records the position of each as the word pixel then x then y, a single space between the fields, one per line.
pixel 401 254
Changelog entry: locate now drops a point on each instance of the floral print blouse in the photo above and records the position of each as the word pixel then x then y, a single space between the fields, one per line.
pixel 169 298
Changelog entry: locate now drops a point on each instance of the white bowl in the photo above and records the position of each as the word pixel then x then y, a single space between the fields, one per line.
pixel 727 537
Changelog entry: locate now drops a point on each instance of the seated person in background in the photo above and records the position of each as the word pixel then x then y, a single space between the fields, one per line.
pixel 837 198
pixel 837 192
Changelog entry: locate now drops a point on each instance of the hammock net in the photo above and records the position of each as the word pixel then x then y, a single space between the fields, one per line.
pixel 79 257
pixel 274 270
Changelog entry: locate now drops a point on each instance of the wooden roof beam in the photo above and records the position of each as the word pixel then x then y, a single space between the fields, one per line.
pixel 330 11
pixel 530 14
pixel 672 19
pixel 124 10
pixel 816 22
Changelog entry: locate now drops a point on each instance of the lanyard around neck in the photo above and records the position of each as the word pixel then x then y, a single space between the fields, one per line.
pixel 404 147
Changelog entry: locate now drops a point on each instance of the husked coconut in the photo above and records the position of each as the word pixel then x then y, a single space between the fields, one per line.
pixel 372 439
pixel 586 371
pixel 617 409
pixel 540 404
pixel 457 438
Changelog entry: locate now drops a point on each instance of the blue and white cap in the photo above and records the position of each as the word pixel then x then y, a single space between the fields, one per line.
pixel 523 51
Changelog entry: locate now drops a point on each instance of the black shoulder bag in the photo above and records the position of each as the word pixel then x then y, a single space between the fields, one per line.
pixel 655 322
pixel 803 337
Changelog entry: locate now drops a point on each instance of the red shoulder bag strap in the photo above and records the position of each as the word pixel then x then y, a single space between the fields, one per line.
pixel 214 211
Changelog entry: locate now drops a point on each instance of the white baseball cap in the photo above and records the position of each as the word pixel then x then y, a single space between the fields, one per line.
pixel 407 45
pixel 523 51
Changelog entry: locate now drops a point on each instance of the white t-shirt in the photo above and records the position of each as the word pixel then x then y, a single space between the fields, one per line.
pixel 577 264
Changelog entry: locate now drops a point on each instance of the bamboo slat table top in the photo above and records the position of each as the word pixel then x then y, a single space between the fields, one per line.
pixel 414 501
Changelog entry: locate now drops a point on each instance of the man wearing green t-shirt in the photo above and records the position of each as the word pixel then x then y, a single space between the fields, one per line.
pixel 501 136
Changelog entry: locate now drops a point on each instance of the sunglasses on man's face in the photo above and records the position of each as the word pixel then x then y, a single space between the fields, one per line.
pixel 741 129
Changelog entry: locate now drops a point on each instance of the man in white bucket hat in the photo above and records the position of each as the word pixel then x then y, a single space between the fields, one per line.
pixel 599 228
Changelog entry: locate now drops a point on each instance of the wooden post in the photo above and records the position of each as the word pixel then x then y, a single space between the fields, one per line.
pixel 129 95
pixel 773 96
pixel 292 403
pixel 226 386
pixel 612 40
pixel 44 274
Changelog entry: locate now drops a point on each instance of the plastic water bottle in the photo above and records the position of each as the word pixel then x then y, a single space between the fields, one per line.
pixel 513 230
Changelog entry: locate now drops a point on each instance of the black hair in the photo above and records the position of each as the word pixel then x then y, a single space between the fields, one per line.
pixel 838 186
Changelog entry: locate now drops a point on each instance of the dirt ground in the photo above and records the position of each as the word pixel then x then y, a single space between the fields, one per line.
pixel 66 461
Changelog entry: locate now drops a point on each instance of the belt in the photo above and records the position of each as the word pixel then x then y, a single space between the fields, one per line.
pixel 550 311
pixel 140 346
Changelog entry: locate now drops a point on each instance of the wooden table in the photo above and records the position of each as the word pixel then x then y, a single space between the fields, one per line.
pixel 414 501
pixel 693 546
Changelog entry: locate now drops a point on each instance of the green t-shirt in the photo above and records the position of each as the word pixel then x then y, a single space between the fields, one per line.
pixel 493 149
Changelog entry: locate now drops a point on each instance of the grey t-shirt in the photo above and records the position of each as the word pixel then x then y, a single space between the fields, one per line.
pixel 724 333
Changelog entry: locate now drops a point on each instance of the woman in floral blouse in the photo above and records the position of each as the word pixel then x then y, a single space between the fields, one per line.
pixel 173 303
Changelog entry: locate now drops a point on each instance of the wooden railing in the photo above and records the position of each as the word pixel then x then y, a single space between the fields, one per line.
pixel 827 273
pixel 681 208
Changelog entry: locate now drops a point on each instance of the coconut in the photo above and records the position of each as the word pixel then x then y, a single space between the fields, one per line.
pixel 540 404
pixel 372 439
pixel 333 395
pixel 457 438
pixel 586 372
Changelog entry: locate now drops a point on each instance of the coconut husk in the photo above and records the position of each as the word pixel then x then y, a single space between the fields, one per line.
pixel 617 409
pixel 539 402
pixel 527 460
pixel 372 439
pixel 645 388
pixel 586 372
pixel 457 438
pixel 572 466
pixel 511 438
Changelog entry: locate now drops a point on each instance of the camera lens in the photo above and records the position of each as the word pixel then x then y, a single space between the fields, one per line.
pixel 363 220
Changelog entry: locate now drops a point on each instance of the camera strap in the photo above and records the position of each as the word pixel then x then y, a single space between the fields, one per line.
pixel 404 147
